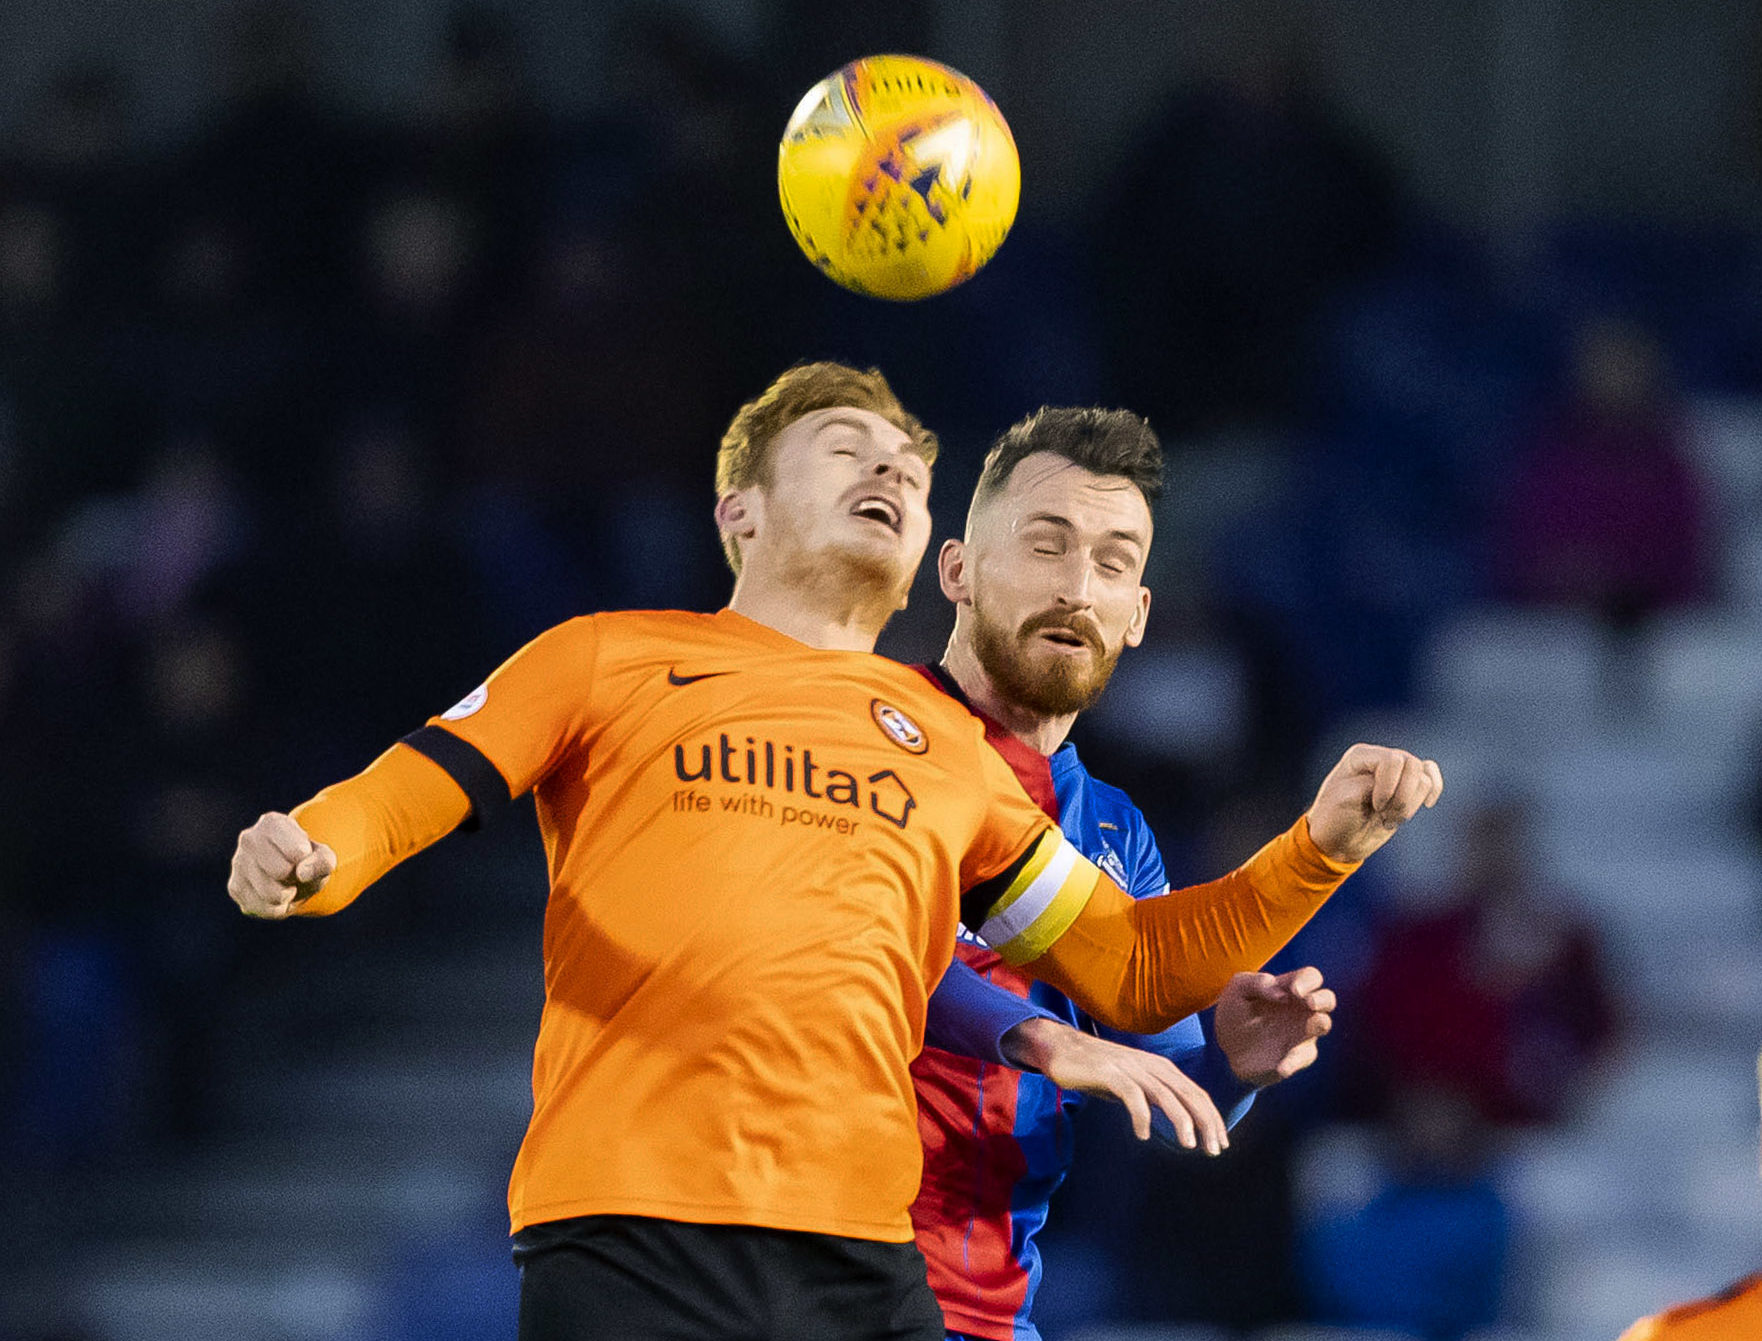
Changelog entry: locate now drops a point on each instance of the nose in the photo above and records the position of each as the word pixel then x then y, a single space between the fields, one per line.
pixel 1073 584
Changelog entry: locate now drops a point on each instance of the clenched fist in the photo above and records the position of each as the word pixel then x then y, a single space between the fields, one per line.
pixel 276 866
pixel 1370 793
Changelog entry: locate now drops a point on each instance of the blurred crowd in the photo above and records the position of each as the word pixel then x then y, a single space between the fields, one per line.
pixel 307 420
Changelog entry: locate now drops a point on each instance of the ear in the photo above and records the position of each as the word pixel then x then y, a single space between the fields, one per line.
pixel 1140 617
pixel 734 517
pixel 951 571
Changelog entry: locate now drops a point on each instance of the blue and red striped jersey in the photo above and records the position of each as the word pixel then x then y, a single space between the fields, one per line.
pixel 997 1141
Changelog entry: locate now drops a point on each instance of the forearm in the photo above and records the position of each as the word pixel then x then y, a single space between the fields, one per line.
pixel 1233 1095
pixel 1187 1044
pixel 972 1017
pixel 401 803
pixel 1032 1043
pixel 1142 964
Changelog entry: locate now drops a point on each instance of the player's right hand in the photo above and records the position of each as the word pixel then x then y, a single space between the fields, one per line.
pixel 1077 1061
pixel 277 866
pixel 1367 796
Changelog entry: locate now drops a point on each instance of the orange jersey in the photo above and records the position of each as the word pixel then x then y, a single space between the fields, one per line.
pixel 1734 1314
pixel 756 854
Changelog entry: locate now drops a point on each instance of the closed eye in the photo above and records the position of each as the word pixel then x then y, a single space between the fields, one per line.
pixel 1115 560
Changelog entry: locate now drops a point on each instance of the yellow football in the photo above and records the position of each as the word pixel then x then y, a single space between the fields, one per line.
pixel 898 176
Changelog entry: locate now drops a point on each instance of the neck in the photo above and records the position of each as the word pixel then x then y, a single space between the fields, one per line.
pixel 1037 729
pixel 825 609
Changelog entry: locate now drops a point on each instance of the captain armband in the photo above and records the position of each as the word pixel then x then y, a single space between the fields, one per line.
pixel 1023 909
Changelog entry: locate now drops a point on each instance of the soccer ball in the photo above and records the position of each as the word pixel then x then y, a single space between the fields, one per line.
pixel 899 177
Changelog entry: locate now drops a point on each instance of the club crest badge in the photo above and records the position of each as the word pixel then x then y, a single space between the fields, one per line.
pixel 467 705
pixel 1110 862
pixel 899 728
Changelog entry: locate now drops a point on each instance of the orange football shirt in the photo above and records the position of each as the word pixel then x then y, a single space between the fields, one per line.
pixel 756 853
pixel 1734 1314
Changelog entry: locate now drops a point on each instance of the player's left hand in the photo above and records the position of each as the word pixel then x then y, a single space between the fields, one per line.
pixel 1268 1027
pixel 1369 794
pixel 1142 1081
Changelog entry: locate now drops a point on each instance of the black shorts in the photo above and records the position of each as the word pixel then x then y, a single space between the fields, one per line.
pixel 633 1278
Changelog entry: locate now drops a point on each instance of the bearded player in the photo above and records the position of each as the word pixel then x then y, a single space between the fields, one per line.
pixel 1048 591
pixel 761 838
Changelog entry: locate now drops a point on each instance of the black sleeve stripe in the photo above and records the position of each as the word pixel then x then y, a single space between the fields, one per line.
pixel 478 778
pixel 977 902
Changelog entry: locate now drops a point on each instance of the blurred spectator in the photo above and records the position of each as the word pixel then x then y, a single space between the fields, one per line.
pixel 1240 211
pixel 1196 1238
pixel 1426 1252
pixel 1498 996
pixel 114 809
pixel 589 434
pixel 400 610
pixel 187 521
pixel 79 127
pixel 64 428
pixel 277 164
pixel 80 1056
pixel 74 1014
pixel 75 150
pixel 33 248
pixel 598 378
pixel 698 122
pixel 401 351
pixel 205 350
pixel 1603 510
pixel 481 81
pixel 189 788
pixel 419 248
pixel 58 774
pixel 482 140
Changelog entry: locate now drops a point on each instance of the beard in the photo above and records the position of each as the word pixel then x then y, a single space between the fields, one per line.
pixel 850 570
pixel 812 565
pixel 1057 686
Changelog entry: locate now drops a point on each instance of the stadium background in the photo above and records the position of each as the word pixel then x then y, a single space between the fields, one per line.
pixel 344 346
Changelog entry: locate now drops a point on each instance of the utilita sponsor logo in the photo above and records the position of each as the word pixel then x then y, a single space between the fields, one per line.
pixel 774 767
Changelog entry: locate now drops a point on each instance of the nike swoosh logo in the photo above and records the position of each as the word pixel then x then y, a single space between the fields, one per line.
pixel 674 677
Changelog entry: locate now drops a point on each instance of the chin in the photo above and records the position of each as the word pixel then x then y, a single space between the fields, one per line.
pixel 1060 694
pixel 1053 690
pixel 1054 684
pixel 872 565
pixel 875 556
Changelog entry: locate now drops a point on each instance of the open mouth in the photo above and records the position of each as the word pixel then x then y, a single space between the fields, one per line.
pixel 878 509
pixel 1065 638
